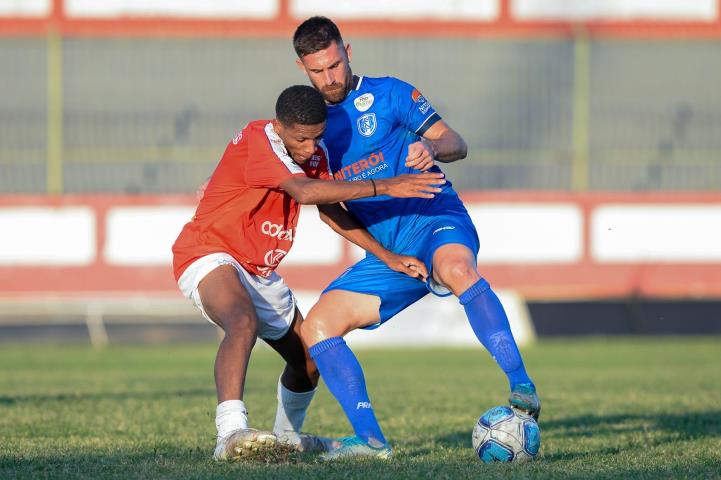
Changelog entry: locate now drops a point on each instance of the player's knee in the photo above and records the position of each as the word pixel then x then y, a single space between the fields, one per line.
pixel 316 327
pixel 233 317
pixel 458 273
pixel 312 331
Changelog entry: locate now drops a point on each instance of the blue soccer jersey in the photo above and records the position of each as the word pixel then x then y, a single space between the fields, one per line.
pixel 367 136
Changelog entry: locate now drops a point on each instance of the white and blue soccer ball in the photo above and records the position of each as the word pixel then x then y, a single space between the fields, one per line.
pixel 504 434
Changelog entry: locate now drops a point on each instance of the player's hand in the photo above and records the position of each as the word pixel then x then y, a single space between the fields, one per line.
pixel 418 185
pixel 420 156
pixel 411 266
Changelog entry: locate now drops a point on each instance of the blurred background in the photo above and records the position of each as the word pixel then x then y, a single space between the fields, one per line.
pixel 593 174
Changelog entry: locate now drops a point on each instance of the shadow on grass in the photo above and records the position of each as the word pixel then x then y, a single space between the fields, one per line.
pixel 197 464
pixel 7 400
pixel 690 425
pixel 155 463
pixel 671 427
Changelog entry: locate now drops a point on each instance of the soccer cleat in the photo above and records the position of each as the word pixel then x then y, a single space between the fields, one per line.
pixel 352 447
pixel 304 442
pixel 242 443
pixel 524 398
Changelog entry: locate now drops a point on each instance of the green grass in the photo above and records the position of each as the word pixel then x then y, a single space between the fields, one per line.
pixel 612 408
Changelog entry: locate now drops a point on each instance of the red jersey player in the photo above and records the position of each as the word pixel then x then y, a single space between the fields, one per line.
pixel 225 258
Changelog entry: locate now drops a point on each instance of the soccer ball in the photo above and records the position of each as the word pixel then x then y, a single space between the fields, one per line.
pixel 504 434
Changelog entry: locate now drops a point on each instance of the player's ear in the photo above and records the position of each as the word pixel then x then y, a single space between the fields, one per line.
pixel 277 126
pixel 348 51
pixel 299 62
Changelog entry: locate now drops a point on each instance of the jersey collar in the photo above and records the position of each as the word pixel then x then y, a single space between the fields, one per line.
pixel 357 81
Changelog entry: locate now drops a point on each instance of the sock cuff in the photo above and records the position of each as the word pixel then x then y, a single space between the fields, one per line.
pixel 230 405
pixel 294 397
pixel 325 345
pixel 474 290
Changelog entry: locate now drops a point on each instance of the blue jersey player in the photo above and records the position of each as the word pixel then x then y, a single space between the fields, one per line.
pixel 378 128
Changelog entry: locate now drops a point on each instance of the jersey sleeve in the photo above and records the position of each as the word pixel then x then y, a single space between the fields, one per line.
pixel 413 110
pixel 268 162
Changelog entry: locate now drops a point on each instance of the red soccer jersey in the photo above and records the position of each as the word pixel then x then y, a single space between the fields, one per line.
pixel 244 212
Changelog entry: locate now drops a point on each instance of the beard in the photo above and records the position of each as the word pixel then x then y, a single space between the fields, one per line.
pixel 334 93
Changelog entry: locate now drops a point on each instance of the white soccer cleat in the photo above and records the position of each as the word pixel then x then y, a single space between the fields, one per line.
pixel 242 443
pixel 305 443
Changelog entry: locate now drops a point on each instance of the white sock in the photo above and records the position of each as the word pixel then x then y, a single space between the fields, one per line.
pixel 230 416
pixel 292 407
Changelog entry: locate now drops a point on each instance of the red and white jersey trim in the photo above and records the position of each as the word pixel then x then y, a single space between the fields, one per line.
pixel 280 151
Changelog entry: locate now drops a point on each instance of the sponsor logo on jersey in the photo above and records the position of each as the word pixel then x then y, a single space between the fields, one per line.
pixel 314 161
pixel 365 167
pixel 276 231
pixel 363 405
pixel 237 138
pixel 363 102
pixel 419 98
pixel 273 257
pixel 367 124
pixel 441 229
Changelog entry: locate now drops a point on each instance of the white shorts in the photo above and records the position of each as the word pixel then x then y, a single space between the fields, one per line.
pixel 274 303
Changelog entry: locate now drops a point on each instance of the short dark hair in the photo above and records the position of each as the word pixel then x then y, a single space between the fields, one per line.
pixel 300 104
pixel 316 33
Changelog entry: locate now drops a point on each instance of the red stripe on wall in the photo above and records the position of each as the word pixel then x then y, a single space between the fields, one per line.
pixel 284 24
pixel 583 279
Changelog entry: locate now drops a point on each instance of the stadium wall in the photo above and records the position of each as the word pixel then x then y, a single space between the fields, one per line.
pixel 544 245
pixel 562 263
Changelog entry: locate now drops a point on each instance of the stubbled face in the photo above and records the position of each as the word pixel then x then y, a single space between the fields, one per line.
pixel 301 141
pixel 329 71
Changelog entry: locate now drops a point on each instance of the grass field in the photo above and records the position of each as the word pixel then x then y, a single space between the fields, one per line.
pixel 612 408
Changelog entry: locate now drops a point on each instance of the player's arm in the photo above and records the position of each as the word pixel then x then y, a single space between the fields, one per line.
pixel 440 142
pixel 310 191
pixel 346 225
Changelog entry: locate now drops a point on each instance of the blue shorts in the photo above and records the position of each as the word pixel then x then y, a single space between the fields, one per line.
pixel 395 289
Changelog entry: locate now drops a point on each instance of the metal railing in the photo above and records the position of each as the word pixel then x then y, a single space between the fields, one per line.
pixel 153 115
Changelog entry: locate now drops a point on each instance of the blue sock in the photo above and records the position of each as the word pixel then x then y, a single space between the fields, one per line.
pixel 490 324
pixel 344 377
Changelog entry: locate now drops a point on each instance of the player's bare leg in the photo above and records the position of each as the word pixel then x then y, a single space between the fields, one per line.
pixel 454 265
pixel 228 304
pixel 296 388
pixel 337 313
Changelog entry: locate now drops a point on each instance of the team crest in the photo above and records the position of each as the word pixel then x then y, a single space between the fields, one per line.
pixel 364 102
pixel 367 124
pixel 273 257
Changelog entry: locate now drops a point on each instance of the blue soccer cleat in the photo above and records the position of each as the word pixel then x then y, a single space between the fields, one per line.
pixel 356 447
pixel 524 398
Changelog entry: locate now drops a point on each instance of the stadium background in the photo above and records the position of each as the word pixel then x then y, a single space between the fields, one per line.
pixel 593 171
